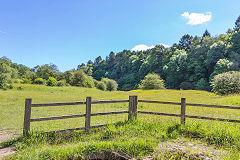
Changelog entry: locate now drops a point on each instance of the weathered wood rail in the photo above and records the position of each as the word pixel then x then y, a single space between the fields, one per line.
pixel 132 111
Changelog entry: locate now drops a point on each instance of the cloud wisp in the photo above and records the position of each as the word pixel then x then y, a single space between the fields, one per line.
pixel 143 47
pixel 2 32
pixel 197 18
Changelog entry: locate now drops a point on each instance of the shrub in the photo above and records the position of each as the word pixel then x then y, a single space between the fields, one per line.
pixel 110 84
pixel 61 83
pixel 82 80
pixel 95 82
pixel 152 81
pixel 186 86
pixel 26 81
pixel 19 88
pixel 51 81
pixel 226 83
pixel 101 86
pixel 9 86
pixel 202 84
pixel 39 81
pixel 17 81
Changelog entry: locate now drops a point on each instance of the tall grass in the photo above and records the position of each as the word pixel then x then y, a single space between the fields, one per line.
pixel 133 139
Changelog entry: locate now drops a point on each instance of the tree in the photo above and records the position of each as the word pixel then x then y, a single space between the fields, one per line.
pixel 5 74
pixel 152 81
pixel 46 71
pixel 98 60
pixel 223 65
pixel 175 69
pixel 237 23
pixel 185 42
pixel 206 34
pixel 216 52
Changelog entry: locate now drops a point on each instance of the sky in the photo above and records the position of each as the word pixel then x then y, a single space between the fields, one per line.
pixel 68 33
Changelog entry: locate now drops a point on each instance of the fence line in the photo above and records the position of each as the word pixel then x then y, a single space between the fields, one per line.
pixel 132 111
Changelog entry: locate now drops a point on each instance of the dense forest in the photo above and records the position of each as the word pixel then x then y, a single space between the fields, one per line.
pixel 189 64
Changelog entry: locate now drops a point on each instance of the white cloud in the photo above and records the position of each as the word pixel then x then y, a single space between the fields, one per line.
pixel 165 45
pixel 2 32
pixel 143 47
pixel 197 18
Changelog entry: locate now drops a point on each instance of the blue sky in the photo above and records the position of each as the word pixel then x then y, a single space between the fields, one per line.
pixel 68 33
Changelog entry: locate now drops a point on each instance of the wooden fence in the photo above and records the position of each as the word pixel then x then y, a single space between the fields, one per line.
pixel 132 111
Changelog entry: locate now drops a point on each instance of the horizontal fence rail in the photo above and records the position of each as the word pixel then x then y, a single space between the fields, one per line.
pixel 132 111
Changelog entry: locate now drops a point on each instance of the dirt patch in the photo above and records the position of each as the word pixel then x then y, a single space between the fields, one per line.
pixel 185 149
pixel 4 136
pixel 5 151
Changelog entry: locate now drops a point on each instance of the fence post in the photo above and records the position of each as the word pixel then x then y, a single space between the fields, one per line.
pixel 133 103
pixel 27 116
pixel 183 110
pixel 88 114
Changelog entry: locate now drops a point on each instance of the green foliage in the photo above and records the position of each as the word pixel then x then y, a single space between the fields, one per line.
pixel 102 86
pixel 82 80
pixel 237 23
pixel 6 73
pixel 52 81
pixel 226 83
pixel 206 34
pixel 61 83
pixel 222 65
pixel 152 81
pixel 39 81
pixel 111 85
pixel 186 86
pixel 202 84
pixel 26 81
pixel 46 71
pixel 17 80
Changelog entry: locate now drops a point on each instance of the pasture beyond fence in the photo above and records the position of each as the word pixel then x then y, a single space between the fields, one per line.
pixel 132 111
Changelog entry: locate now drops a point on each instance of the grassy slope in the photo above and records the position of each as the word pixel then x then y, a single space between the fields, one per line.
pixel 137 139
pixel 12 105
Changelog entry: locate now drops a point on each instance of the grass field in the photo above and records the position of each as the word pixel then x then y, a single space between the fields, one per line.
pixel 223 134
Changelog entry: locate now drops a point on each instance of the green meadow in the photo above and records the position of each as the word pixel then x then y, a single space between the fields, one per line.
pixel 137 139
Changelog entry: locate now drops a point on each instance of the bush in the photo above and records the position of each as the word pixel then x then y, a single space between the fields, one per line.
pixel 39 81
pixel 202 84
pixel 111 85
pixel 82 80
pixel 20 88
pixel 226 83
pixel 51 81
pixel 101 86
pixel 186 86
pixel 26 81
pixel 61 83
pixel 9 86
pixel 152 81
pixel 17 81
